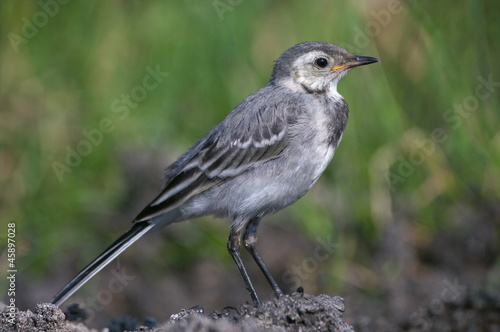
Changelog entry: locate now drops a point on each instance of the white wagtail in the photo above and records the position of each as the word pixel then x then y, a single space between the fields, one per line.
pixel 264 156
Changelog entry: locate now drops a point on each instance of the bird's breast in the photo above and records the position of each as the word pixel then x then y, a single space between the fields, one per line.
pixel 320 137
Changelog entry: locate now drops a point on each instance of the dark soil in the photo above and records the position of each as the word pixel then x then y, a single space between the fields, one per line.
pixel 296 312
pixel 475 310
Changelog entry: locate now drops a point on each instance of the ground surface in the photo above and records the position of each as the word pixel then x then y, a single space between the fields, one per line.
pixel 297 312
pixel 475 310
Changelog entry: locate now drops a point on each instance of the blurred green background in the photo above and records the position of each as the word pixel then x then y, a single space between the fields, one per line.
pixel 411 199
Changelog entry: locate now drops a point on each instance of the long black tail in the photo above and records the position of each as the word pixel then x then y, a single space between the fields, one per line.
pixel 123 242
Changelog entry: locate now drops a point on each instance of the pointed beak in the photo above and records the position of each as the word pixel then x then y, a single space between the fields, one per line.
pixel 355 61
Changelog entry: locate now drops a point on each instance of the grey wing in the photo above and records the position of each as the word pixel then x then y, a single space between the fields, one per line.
pixel 236 145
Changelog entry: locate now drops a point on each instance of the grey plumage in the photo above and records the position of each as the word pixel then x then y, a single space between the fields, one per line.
pixel 264 156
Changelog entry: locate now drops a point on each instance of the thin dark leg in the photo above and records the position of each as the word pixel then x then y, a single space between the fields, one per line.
pixel 250 239
pixel 233 245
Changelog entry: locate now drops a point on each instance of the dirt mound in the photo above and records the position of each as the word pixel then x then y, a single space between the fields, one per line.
pixel 296 312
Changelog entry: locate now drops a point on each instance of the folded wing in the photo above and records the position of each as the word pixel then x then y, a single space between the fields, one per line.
pixel 239 143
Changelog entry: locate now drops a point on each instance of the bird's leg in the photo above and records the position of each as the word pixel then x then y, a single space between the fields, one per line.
pixel 250 239
pixel 233 245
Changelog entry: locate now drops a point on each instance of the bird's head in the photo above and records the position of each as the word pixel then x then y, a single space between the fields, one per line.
pixel 315 67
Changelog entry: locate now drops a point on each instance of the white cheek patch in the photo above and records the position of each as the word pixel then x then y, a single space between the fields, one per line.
pixel 310 78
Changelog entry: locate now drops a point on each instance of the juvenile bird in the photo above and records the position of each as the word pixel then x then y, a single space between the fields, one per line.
pixel 264 156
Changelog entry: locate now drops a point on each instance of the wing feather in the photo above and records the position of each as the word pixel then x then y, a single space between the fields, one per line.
pixel 242 141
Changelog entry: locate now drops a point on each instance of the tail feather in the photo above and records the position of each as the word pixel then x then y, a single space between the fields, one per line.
pixel 122 243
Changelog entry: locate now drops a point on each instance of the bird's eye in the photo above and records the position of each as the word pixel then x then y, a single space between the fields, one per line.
pixel 321 62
